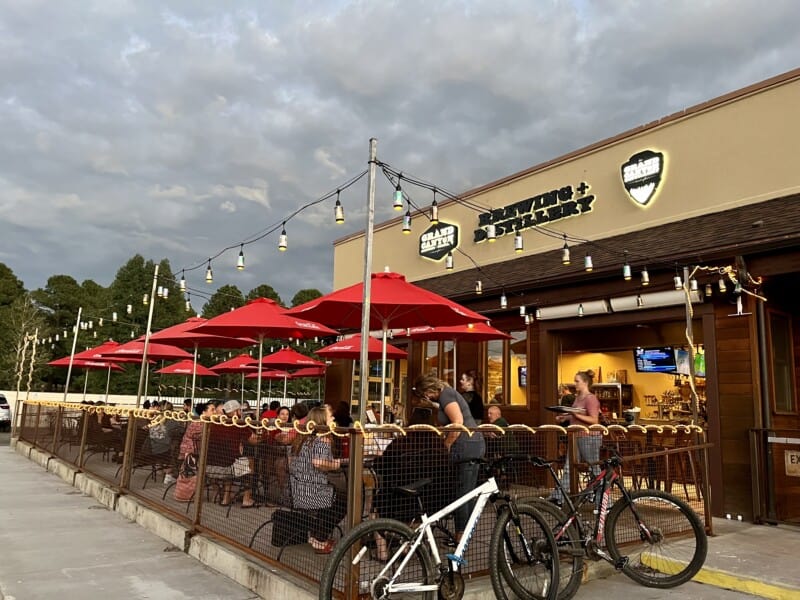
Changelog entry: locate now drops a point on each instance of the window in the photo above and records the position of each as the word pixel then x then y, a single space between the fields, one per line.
pixel 782 365
pixel 518 362
pixel 495 390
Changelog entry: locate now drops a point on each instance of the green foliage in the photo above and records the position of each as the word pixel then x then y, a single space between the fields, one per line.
pixel 11 287
pixel 224 299
pixel 264 291
pixel 20 320
pixel 303 296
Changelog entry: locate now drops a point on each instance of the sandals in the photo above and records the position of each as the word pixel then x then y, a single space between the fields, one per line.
pixel 325 547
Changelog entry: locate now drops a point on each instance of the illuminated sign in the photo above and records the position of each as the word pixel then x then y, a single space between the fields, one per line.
pixel 642 174
pixel 541 209
pixel 437 240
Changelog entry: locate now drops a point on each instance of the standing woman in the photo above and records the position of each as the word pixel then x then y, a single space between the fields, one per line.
pixel 471 385
pixel 463 447
pixel 588 442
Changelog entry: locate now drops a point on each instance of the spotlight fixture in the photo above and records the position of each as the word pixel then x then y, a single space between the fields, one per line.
pixel 709 290
pixel 209 273
pixel 448 261
pixel 645 277
pixel 626 268
pixel 407 222
pixel 565 252
pixel 503 300
pixel 182 282
pixel 587 263
pixel 434 210
pixel 240 260
pixel 722 288
pixel 518 243
pixel 338 211
pixel 282 239
pixel 580 310
pixel 491 233
pixel 398 195
pixel 479 287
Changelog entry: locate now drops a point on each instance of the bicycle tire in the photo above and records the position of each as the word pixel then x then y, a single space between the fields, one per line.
pixel 361 539
pixel 570 551
pixel 507 566
pixel 680 546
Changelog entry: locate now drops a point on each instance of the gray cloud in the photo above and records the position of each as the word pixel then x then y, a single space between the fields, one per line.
pixel 175 129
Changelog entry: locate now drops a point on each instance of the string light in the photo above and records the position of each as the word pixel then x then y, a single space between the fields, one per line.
pixel 491 233
pixel 693 284
pixel 538 313
pixel 626 268
pixel 448 261
pixel 580 309
pixel 709 290
pixel 188 302
pixel 479 287
pixel 240 260
pixel 722 288
pixel 645 277
pixel 639 300
pixel 678 282
pixel 145 299
pixel 113 317
pixel 407 222
pixel 518 243
pixel 209 273
pixel 129 309
pixel 528 319
pixel 398 195
pixel 503 300
pixel 282 239
pixel 565 252
pixel 338 211
pixel 434 210
pixel 522 312
pixel 182 283
pixel 587 263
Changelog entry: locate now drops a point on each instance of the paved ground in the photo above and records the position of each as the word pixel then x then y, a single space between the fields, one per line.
pixel 57 543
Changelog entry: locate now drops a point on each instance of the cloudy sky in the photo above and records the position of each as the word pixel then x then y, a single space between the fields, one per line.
pixel 175 128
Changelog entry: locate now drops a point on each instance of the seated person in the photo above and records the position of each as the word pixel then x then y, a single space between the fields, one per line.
pixel 225 445
pixel 105 432
pixel 311 458
pixel 418 455
pixel 190 443
pixel 160 438
pixel 498 444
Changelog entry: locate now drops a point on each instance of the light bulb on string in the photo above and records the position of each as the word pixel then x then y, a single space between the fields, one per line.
pixel 129 308
pixel 209 273
pixel 503 300
pixel 240 259
pixel 645 277
pixel 580 309
pixel 677 279
pixel 65 334
pixel 434 210
pixel 182 282
pixel 565 252
pixel 528 319
pixel 518 243
pixel 693 285
pixel 522 311
pixel 159 291
pixel 479 287
pixel 165 293
pixel 491 233
pixel 709 290
pixel 114 317
pixel 407 222
pixel 338 211
pixel 588 266
pixel 537 313
pixel 722 287
pixel 626 268
pixel 398 195
pixel 188 302
pixel 133 335
pixel 283 239
pixel 639 300
pixel 99 324
pixel 448 261
pixel 145 299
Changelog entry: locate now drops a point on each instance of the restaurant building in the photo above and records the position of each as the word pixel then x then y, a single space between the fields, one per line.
pixel 702 204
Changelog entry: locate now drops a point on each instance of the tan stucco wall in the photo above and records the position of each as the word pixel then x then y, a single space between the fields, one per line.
pixel 732 154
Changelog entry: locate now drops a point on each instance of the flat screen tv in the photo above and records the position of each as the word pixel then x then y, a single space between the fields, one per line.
pixel 660 359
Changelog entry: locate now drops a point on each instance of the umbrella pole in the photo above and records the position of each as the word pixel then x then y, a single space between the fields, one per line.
pixel 285 380
pixel 185 383
pixel 194 374
pixel 383 371
pixel 455 369
pixel 108 382
pixel 85 383
pixel 242 387
pixel 260 357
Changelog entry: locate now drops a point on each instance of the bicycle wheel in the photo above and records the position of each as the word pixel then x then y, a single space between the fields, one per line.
pixel 570 552
pixel 363 553
pixel 521 556
pixel 675 549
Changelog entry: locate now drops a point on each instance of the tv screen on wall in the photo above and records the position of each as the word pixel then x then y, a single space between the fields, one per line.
pixel 660 359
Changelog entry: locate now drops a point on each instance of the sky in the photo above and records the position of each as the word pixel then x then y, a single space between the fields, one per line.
pixel 174 129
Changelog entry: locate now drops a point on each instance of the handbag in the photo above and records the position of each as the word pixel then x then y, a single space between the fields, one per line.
pixel 241 467
pixel 289 528
pixel 187 479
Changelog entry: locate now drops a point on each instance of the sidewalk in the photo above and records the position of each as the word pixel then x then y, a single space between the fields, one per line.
pixel 58 542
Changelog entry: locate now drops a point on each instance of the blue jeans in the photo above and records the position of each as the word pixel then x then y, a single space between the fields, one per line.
pixel 588 451
pixel 466 481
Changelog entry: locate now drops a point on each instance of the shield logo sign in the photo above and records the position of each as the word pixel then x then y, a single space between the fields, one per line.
pixel 642 174
pixel 437 240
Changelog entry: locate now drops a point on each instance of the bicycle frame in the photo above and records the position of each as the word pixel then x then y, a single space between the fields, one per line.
pixel 482 494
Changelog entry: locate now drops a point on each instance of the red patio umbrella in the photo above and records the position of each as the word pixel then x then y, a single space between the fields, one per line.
pixel 287 358
pixel 244 363
pixel 473 332
pixel 98 352
pixel 311 373
pixel 271 374
pixel 186 368
pixel 135 350
pixel 262 318
pixel 350 348
pixel 181 335
pixel 87 364
pixel 393 302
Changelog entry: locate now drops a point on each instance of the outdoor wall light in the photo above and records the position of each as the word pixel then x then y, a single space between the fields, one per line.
pixel 491 233
pixel 588 266
pixel 240 260
pixel 283 239
pixel 645 277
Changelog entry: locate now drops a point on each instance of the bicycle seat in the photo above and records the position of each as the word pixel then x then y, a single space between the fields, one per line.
pixel 413 489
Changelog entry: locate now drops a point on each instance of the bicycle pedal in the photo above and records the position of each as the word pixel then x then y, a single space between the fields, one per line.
pixel 621 563
pixel 460 561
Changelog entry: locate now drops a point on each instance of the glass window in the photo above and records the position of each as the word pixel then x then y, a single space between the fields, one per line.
pixel 518 363
pixel 495 390
pixel 780 329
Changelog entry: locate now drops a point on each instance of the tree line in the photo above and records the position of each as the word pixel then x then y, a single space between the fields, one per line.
pixel 117 312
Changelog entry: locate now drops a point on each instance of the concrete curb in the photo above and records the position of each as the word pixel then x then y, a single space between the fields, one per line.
pixel 747 585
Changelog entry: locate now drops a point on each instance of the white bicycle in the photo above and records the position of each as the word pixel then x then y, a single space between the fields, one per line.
pixel 383 559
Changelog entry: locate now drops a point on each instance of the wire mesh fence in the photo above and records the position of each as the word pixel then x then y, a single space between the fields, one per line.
pixel 286 490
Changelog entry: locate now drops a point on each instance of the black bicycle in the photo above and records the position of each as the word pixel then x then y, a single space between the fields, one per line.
pixel 653 537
